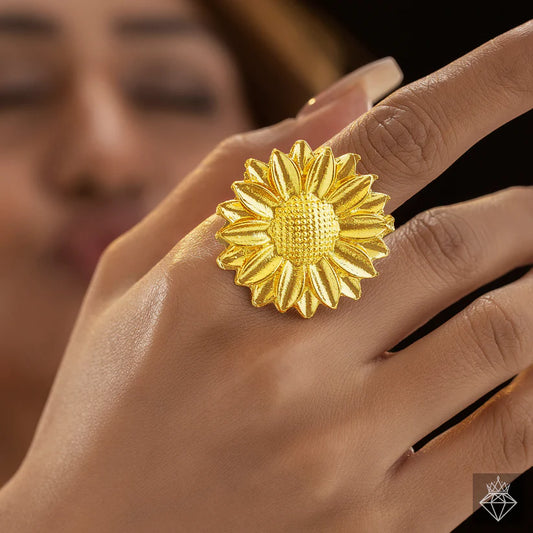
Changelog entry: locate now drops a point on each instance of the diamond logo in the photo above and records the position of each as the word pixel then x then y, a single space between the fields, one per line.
pixel 498 502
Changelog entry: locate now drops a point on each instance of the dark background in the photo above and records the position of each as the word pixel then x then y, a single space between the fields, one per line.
pixel 423 37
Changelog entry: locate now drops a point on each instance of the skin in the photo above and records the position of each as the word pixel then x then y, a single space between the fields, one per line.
pixel 100 117
pixel 168 415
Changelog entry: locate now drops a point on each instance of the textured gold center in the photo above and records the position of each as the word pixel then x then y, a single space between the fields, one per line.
pixel 304 229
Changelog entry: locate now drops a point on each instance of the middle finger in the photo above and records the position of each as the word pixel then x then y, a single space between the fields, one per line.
pixel 438 257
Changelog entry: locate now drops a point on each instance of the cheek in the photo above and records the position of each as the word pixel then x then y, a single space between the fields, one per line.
pixel 25 219
pixel 181 142
pixel 180 147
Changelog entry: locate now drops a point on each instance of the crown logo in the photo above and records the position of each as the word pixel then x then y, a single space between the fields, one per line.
pixel 498 486
pixel 498 502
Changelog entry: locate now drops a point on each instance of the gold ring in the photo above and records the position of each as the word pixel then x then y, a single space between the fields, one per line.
pixel 303 229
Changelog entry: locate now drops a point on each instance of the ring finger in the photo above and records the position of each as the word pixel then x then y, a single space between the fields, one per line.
pixel 449 369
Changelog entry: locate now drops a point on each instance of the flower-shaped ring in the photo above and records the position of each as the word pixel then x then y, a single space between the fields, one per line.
pixel 303 229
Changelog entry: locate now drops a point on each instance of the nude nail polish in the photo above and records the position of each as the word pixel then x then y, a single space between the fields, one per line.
pixel 377 79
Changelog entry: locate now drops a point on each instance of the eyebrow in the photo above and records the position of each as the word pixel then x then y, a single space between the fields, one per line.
pixel 26 24
pixel 156 26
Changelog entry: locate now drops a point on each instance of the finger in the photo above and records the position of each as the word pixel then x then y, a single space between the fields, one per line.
pixel 441 374
pixel 498 437
pixel 199 193
pixel 435 259
pixel 377 79
pixel 412 136
pixel 405 139
pixel 408 139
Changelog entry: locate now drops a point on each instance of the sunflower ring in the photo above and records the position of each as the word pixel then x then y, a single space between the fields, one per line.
pixel 303 229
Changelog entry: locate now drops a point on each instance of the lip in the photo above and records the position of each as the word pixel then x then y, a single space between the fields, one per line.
pixel 88 234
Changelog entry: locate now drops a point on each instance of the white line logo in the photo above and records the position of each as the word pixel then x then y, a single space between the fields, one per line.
pixel 498 502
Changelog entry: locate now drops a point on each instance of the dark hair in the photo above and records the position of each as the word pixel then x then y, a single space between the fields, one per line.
pixel 286 53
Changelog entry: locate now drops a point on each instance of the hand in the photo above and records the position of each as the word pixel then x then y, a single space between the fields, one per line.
pixel 180 407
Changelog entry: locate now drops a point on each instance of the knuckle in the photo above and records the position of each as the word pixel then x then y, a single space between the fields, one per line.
pixel 446 242
pixel 109 269
pixel 520 196
pixel 389 512
pixel 113 254
pixel 231 143
pixel 512 70
pixel 109 280
pixel 513 429
pixel 182 276
pixel 190 269
pixel 332 495
pixel 519 191
pixel 495 328
pixel 406 133
pixel 237 144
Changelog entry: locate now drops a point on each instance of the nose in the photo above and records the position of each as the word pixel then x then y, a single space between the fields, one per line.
pixel 94 155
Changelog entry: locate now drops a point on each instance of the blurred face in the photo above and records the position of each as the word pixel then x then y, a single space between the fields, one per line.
pixel 105 105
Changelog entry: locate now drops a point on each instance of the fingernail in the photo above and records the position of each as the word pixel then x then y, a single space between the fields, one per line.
pixel 377 79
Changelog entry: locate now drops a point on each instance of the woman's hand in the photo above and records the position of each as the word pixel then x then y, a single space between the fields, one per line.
pixel 180 407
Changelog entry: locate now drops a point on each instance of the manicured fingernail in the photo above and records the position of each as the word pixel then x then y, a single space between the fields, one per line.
pixel 377 79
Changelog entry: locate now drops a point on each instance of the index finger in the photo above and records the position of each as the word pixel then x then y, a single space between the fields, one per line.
pixel 412 136
pixel 408 140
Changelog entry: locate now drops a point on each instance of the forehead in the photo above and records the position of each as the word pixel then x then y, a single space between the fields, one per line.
pixel 79 17
pixel 99 7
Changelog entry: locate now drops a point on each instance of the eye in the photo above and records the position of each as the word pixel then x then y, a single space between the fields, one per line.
pixel 13 97
pixel 197 100
pixel 23 93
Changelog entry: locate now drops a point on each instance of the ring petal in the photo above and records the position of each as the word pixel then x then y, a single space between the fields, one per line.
pixel 257 171
pixel 325 282
pixel 352 260
pixel 374 202
pixel 232 210
pixel 285 175
pixel 389 221
pixel 375 248
pixel 362 226
pixel 301 153
pixel 350 193
pixel 290 286
pixel 346 166
pixel 246 232
pixel 232 257
pixel 307 304
pixel 259 266
pixel 351 287
pixel 263 293
pixel 321 174
pixel 256 198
